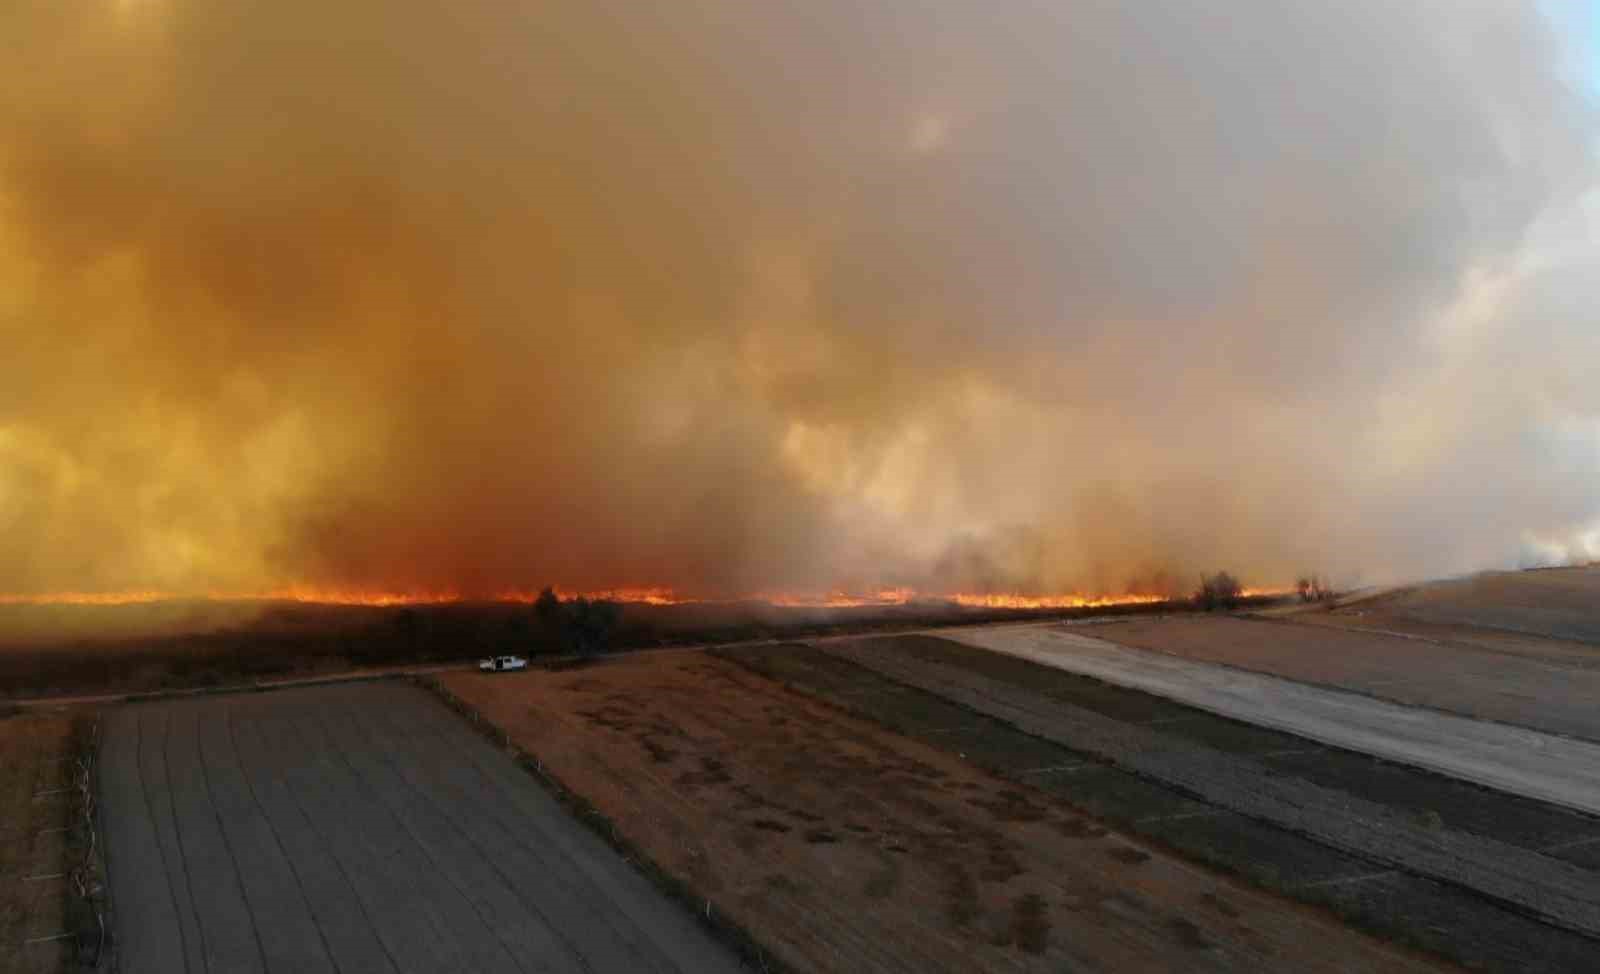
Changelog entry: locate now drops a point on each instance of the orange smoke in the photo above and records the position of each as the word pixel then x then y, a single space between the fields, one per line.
pixel 87 598
pixel 319 596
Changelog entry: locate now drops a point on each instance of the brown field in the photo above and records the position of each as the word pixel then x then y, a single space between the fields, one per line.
pixel 1546 613
pixel 34 750
pixel 1376 619
pixel 842 847
pixel 1559 603
pixel 1550 693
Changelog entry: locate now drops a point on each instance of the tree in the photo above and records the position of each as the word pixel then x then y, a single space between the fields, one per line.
pixel 547 608
pixel 1219 591
pixel 580 625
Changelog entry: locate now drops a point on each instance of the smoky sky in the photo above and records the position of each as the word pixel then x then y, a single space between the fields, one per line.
pixel 750 297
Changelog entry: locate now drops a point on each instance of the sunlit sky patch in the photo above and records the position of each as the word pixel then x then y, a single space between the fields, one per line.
pixel 1578 21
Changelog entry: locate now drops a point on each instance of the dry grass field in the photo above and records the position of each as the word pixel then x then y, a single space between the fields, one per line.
pixel 36 800
pixel 843 847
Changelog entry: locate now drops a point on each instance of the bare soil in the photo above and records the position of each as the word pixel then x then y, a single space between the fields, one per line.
pixel 844 847
pixel 1550 693
pixel 1380 620
pixel 1546 614
pixel 358 828
pixel 34 765
pixel 1558 603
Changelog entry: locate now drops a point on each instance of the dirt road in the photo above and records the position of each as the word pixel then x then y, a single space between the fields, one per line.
pixel 359 828
pixel 1524 762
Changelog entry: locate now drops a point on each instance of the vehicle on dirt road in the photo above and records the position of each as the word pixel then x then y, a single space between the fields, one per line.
pixel 499 664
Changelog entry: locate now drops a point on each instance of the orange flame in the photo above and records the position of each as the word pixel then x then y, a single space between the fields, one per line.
pixel 1007 600
pixel 838 600
pixel 1263 593
pixel 648 595
pixel 640 595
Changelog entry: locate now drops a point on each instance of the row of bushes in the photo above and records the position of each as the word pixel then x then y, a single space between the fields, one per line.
pixel 308 639
pixel 1223 591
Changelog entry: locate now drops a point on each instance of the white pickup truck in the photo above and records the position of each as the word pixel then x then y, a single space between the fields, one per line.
pixel 499 664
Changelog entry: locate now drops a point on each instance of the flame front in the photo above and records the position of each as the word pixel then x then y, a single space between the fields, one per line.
pixel 1077 600
pixel 638 595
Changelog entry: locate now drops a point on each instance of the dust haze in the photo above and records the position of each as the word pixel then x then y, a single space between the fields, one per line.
pixel 734 298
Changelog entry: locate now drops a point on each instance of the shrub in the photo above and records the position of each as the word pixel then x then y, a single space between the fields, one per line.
pixel 581 625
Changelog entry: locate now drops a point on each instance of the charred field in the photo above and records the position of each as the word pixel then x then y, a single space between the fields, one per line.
pixel 48 650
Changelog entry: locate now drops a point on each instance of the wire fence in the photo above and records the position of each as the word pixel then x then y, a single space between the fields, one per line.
pixel 88 889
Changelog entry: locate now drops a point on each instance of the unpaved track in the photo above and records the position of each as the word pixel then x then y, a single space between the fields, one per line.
pixel 359 828
pixel 1524 762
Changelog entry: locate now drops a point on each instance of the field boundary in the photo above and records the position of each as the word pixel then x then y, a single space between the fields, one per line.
pixel 1520 879
pixel 706 913
pixel 1402 908
pixel 86 896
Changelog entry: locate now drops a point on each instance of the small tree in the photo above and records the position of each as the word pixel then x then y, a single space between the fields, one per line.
pixel 548 621
pixel 1219 591
pixel 1312 588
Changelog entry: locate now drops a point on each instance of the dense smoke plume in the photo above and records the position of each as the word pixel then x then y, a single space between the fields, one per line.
pixel 740 297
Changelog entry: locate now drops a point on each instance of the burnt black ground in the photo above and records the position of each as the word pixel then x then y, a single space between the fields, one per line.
pixel 1445 919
